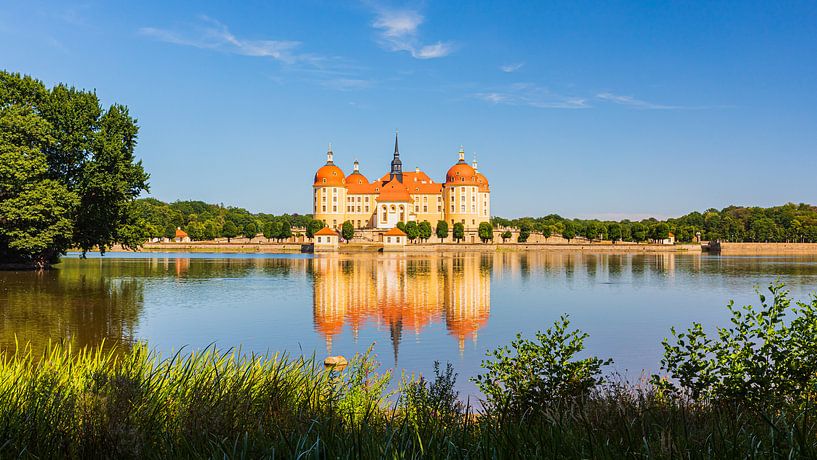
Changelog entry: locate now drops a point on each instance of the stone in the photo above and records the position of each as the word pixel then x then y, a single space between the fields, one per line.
pixel 338 362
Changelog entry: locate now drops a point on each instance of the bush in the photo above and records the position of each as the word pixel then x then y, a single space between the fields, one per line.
pixel 767 358
pixel 422 400
pixel 534 374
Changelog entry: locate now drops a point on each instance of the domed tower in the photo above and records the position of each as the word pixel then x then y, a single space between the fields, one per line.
pixel 461 195
pixel 329 193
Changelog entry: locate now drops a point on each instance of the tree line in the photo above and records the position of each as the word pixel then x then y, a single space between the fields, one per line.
pixel 779 224
pixel 203 221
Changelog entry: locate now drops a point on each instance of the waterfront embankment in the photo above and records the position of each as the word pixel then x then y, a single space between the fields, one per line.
pixel 289 248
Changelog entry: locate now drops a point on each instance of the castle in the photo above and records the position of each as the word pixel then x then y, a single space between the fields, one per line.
pixel 463 197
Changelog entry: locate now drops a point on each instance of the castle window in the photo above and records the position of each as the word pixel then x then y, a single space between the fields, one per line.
pixel 324 208
pixel 462 208
pixel 425 208
pixel 452 208
pixel 324 180
pixel 319 239
pixel 334 209
pixel 388 239
pixel 416 208
pixel 334 173
pixel 439 208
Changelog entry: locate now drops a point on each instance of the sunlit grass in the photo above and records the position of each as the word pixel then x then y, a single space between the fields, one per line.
pixel 100 402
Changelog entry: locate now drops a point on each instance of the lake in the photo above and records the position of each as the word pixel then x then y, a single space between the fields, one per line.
pixel 414 308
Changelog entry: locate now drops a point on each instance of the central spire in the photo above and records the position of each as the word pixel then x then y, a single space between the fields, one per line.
pixel 396 164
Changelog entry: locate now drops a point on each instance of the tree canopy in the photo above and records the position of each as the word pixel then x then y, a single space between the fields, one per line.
pixel 68 174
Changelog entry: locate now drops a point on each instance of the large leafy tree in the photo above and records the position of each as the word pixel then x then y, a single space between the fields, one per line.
pixel 68 175
pixel 485 231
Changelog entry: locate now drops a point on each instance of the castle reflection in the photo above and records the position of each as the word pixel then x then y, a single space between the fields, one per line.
pixel 402 293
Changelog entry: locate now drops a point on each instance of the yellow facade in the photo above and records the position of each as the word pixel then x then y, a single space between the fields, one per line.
pixel 463 196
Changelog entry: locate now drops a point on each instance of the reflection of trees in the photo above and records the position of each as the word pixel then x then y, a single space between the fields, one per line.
pixel 401 293
pixel 84 305
pixel 88 301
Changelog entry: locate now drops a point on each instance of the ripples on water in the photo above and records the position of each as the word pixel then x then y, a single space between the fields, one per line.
pixel 414 308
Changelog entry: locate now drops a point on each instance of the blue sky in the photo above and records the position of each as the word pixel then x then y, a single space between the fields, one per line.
pixel 608 109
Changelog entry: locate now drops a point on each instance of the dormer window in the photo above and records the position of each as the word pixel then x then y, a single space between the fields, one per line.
pixel 324 180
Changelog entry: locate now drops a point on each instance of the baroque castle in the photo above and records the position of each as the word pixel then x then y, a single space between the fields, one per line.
pixel 463 196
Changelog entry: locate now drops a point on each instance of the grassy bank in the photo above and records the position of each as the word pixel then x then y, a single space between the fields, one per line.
pixel 541 400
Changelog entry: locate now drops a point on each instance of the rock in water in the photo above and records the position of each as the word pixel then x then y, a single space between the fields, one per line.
pixel 338 362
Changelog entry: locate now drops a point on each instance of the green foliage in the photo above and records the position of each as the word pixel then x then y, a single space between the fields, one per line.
pixel 524 233
pixel 314 226
pixel 250 230
pixel 530 375
pixel 437 399
pixel 286 230
pixel 639 232
pixel 425 230
pixel 768 357
pixel 506 235
pixel 412 230
pixel 459 232
pixel 569 231
pixel 229 231
pixel 347 231
pixel 486 232
pixel 659 232
pixel 442 230
pixel 68 174
pixel 547 231
pixel 401 226
pixel 614 232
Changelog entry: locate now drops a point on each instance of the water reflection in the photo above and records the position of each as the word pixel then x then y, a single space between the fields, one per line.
pixel 415 307
pixel 404 294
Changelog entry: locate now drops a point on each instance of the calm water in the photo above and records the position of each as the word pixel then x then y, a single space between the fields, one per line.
pixel 414 308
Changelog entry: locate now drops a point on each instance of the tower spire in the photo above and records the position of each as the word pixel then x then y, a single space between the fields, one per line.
pixel 474 164
pixel 396 164
pixel 462 154
pixel 330 155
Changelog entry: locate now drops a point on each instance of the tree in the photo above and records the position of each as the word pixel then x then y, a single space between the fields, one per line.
pixel 68 175
pixel 196 231
pixel 229 231
pixel 442 230
pixel 506 235
pixel 547 231
pixel 659 232
pixel 569 232
pixel 312 227
pixel 412 231
pixel 459 232
pixel 524 233
pixel 250 230
pixel 486 232
pixel 286 230
pixel 401 226
pixel 347 231
pixel 271 230
pixel 639 232
pixel 425 230
pixel 614 232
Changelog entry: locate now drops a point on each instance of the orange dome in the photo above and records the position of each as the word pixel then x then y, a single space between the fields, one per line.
pixel 461 173
pixel 329 175
pixel 482 182
pixel 357 178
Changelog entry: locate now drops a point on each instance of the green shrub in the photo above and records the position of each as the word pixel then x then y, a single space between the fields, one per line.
pixel 534 374
pixel 422 400
pixel 768 357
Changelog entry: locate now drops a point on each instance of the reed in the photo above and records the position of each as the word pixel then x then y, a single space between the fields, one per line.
pixel 106 403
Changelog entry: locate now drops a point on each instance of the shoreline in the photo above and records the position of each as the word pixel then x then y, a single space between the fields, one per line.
pixel 726 249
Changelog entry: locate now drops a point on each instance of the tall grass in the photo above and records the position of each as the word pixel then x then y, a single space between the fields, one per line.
pixel 104 403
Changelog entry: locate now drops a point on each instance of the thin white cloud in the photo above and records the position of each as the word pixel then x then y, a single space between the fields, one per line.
pixel 511 68
pixel 631 101
pixel 530 95
pixel 398 31
pixel 211 34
